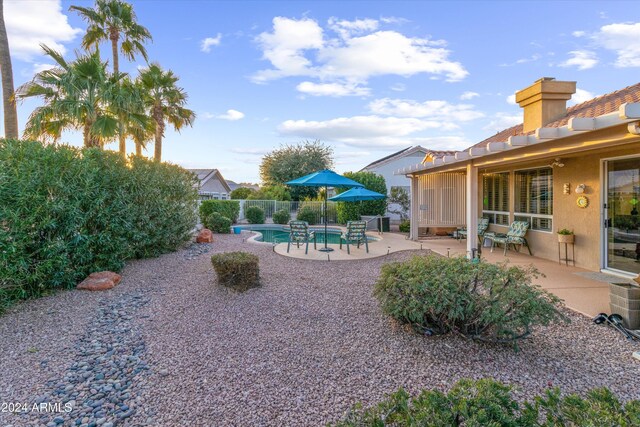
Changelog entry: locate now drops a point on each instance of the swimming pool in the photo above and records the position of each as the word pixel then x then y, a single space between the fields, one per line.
pixel 279 233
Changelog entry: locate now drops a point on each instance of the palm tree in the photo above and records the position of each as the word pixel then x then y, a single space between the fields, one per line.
pixel 76 96
pixel 165 102
pixel 125 101
pixel 114 20
pixel 8 100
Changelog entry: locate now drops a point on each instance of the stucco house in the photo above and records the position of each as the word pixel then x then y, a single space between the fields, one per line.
pixel 212 184
pixel 576 168
pixel 389 165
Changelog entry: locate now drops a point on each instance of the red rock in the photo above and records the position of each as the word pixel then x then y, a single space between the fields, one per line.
pixel 100 281
pixel 205 236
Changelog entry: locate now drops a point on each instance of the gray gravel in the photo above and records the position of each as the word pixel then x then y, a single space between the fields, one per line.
pixel 300 350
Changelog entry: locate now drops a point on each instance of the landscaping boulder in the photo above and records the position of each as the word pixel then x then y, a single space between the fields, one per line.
pixel 100 281
pixel 205 236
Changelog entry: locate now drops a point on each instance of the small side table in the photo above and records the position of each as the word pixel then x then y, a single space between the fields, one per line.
pixel 566 258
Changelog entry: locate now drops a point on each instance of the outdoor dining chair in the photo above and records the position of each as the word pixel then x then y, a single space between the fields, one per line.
pixel 356 233
pixel 515 237
pixel 483 225
pixel 299 233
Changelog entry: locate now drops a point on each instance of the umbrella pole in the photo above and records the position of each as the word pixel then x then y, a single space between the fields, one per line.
pixel 326 220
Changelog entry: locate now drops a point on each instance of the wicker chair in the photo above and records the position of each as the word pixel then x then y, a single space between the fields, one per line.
pixel 299 233
pixel 515 236
pixel 483 225
pixel 356 233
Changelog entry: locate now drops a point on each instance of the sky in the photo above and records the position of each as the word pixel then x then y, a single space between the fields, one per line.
pixel 367 78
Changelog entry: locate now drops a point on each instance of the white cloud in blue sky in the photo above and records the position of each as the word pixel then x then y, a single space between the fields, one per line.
pixel 205 45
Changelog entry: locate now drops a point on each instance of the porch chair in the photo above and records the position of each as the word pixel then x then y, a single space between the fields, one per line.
pixel 483 225
pixel 356 233
pixel 299 233
pixel 515 236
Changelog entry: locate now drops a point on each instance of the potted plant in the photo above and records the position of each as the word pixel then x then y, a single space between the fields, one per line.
pixel 565 236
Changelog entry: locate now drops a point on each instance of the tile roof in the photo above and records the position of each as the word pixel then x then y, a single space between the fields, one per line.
pixel 594 107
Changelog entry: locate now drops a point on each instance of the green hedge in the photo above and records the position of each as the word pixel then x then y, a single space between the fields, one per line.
pixel 350 211
pixel 67 212
pixel 487 402
pixel 255 215
pixel 281 216
pixel 228 208
pixel 217 223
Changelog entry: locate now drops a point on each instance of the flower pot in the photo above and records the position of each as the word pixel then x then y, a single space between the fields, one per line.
pixel 566 238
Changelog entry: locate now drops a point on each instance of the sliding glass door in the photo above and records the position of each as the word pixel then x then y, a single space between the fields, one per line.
pixel 622 218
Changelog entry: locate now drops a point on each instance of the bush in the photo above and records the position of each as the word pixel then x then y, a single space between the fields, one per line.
pixel 307 213
pixel 483 301
pixel 405 226
pixel 241 193
pixel 217 223
pixel 237 270
pixel 228 208
pixel 350 211
pixel 281 217
pixel 255 215
pixel 67 212
pixel 487 402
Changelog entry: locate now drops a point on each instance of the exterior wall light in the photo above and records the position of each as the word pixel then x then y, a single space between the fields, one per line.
pixel 566 188
pixel 580 188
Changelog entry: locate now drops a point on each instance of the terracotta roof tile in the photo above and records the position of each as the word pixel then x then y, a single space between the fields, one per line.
pixel 594 107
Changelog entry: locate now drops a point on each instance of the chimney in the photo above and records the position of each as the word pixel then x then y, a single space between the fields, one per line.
pixel 544 101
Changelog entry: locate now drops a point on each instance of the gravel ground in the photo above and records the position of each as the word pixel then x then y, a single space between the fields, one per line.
pixel 169 347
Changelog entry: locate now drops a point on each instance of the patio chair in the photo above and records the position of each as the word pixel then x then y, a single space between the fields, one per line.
pixel 483 225
pixel 515 236
pixel 299 233
pixel 356 233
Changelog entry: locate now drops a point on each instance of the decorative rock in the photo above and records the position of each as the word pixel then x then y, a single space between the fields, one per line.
pixel 205 236
pixel 100 281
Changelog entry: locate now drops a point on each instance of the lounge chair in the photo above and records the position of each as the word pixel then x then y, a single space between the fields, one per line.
pixel 483 225
pixel 299 233
pixel 356 233
pixel 515 236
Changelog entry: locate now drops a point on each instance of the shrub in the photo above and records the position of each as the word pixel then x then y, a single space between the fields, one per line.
pixel 237 270
pixel 228 208
pixel 488 402
pixel 67 212
pixel 405 226
pixel 255 215
pixel 307 213
pixel 217 223
pixel 483 301
pixel 241 193
pixel 349 211
pixel 281 217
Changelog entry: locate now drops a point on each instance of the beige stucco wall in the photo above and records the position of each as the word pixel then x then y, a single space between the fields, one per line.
pixel 585 169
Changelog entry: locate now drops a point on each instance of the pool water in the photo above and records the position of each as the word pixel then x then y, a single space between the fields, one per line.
pixel 278 236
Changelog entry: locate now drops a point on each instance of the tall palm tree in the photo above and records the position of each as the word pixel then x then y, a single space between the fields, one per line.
pixel 114 20
pixel 125 101
pixel 76 96
pixel 165 102
pixel 8 100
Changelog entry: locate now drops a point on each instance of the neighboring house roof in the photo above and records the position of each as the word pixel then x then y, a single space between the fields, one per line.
pixel 233 185
pixel 205 175
pixel 397 155
pixel 593 108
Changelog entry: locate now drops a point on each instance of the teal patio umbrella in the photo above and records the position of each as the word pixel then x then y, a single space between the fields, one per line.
pixel 324 178
pixel 357 194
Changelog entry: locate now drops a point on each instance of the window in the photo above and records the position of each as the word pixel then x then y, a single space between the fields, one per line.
pixel 534 198
pixel 495 197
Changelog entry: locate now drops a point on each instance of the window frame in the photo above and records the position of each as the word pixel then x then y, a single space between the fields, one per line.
pixel 531 216
pixel 492 214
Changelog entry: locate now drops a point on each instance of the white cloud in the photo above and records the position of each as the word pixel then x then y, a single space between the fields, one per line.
pixel 581 96
pixel 398 87
pixel 433 110
pixel 531 58
pixel 205 45
pixel 502 121
pixel 30 23
pixel 469 95
pixel 332 89
pixel 347 29
pixel 355 58
pixel 393 20
pixel 579 33
pixel 582 59
pixel 511 99
pixel 624 40
pixel 37 67
pixel 231 115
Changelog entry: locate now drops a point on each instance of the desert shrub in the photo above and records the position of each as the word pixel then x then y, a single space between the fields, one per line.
pixel 309 214
pixel 281 217
pixel 228 208
pixel 483 301
pixel 487 402
pixel 255 215
pixel 217 223
pixel 67 212
pixel 405 226
pixel 237 270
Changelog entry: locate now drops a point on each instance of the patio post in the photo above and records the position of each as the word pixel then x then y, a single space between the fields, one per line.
pixel 472 209
pixel 414 208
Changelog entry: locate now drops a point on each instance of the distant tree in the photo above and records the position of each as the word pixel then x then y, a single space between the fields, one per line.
pixel 242 193
pixel 8 100
pixel 398 196
pixel 349 211
pixel 271 192
pixel 293 161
